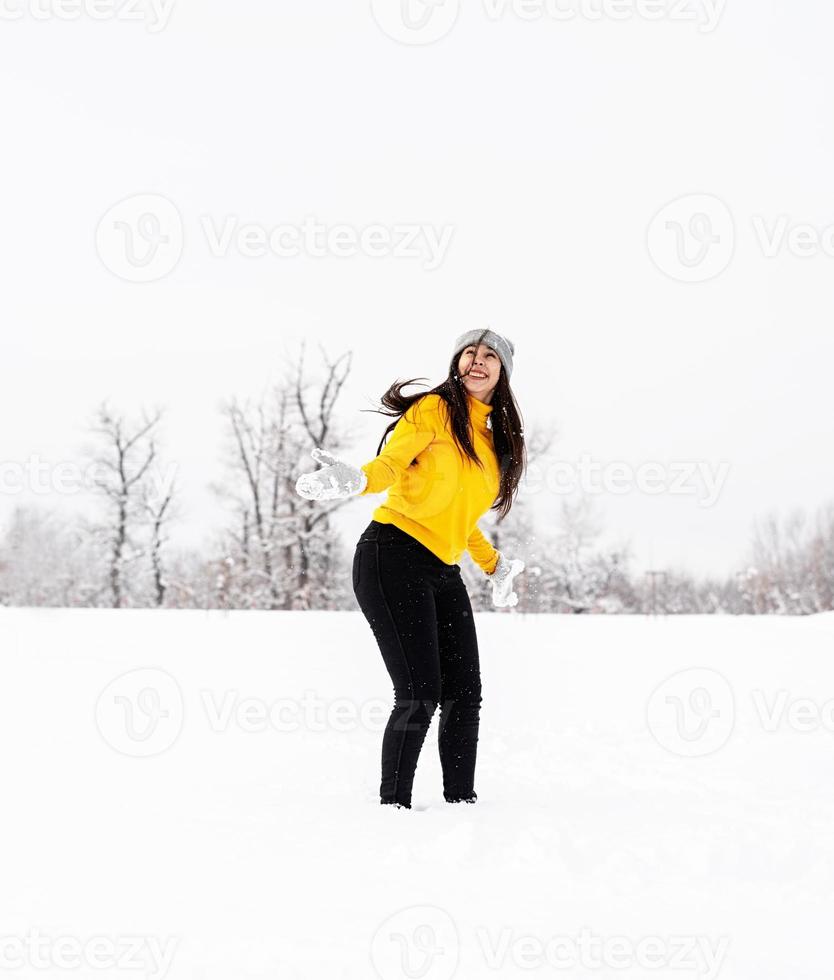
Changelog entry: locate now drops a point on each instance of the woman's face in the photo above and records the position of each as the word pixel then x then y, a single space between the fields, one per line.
pixel 479 369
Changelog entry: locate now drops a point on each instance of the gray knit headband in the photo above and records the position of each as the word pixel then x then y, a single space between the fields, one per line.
pixel 502 346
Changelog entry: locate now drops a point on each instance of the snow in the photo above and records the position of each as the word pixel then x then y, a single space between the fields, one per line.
pixel 203 787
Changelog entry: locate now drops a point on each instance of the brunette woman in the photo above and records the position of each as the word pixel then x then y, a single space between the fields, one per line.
pixel 455 452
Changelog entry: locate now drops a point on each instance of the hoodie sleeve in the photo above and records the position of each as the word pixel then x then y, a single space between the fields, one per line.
pixel 414 431
pixel 482 552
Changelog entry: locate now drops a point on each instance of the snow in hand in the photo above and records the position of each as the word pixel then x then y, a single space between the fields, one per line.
pixel 195 795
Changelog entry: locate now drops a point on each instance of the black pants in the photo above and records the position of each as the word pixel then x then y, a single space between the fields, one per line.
pixel 419 611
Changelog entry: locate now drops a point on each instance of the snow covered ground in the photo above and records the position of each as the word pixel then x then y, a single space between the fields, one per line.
pixel 194 795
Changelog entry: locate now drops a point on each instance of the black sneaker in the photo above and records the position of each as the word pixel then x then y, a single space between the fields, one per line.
pixel 461 799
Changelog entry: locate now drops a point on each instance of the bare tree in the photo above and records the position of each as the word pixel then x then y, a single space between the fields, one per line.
pixel 791 568
pixel 123 466
pixel 158 513
pixel 46 559
pixel 280 553
pixel 312 524
pixel 256 459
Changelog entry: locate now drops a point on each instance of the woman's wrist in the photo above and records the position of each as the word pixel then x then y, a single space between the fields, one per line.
pixel 495 566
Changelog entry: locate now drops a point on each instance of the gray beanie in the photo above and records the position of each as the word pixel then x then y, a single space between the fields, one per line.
pixel 502 346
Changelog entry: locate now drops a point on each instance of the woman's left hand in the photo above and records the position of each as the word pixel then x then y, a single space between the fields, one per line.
pixel 502 581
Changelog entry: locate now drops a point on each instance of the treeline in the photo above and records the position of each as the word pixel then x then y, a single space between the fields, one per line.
pixel 789 570
pixel 278 551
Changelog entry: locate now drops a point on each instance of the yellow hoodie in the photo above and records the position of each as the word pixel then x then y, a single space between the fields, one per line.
pixel 437 494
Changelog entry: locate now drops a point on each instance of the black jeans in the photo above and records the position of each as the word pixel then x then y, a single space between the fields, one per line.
pixel 419 611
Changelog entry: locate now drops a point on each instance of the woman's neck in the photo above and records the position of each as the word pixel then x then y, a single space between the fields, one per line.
pixel 481 401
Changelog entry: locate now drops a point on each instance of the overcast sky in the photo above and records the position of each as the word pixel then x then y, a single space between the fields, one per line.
pixel 494 168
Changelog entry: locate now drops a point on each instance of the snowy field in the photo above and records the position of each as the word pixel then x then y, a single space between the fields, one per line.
pixel 194 796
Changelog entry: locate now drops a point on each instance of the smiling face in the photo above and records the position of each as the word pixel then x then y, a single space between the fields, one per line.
pixel 479 369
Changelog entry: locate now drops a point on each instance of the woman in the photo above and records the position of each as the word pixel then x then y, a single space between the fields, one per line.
pixel 453 451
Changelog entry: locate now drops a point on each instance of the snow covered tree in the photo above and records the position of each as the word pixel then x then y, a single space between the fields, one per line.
pixel 47 559
pixel 158 509
pixel 280 551
pixel 124 458
pixel 791 567
pixel 585 576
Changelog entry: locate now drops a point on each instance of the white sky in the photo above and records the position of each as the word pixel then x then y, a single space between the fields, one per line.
pixel 547 146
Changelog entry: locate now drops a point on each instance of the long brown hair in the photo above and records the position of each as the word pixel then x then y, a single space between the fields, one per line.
pixel 507 425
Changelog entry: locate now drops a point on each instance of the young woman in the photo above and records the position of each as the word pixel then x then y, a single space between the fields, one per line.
pixel 456 452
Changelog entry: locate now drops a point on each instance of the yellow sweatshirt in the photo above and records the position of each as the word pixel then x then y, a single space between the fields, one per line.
pixel 437 494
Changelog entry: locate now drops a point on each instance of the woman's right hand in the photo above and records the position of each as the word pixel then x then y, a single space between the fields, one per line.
pixel 333 481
